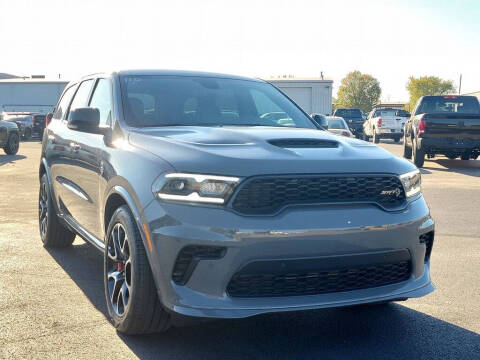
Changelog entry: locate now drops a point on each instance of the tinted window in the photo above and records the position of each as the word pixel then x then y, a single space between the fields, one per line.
pixel 348 113
pixel 81 97
pixel 336 124
pixel 102 100
pixel 203 101
pixel 449 104
pixel 62 107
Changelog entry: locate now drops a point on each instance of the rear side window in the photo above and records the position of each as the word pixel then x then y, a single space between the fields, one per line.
pixel 61 109
pixel 81 97
pixel 349 113
pixel 449 104
pixel 102 100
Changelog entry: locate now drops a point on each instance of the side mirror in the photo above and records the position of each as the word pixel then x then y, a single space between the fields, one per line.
pixel 48 118
pixel 86 120
pixel 320 120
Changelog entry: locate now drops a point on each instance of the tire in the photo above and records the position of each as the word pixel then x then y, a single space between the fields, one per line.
pixel 365 137
pixel 376 137
pixel 130 292
pixel 451 156
pixel 397 139
pixel 52 232
pixel 27 135
pixel 407 150
pixel 418 154
pixel 13 142
pixel 465 156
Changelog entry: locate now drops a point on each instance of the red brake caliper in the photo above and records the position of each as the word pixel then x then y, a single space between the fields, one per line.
pixel 120 267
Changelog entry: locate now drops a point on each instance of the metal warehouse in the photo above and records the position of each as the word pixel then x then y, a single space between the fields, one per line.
pixel 313 95
pixel 30 95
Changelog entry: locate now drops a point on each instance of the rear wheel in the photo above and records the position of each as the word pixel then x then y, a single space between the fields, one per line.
pixel 11 148
pixel 407 149
pixel 376 137
pixel 418 154
pixel 397 139
pixel 365 137
pixel 131 295
pixel 52 233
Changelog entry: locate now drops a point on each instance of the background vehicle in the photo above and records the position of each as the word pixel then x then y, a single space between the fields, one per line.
pixel 338 126
pixel 384 123
pixel 24 122
pixel 354 119
pixel 448 125
pixel 9 137
pixel 38 124
pixel 204 206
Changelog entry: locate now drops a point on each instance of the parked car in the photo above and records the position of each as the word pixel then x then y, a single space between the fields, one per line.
pixel 202 207
pixel 9 137
pixel 338 126
pixel 384 123
pixel 24 122
pixel 354 119
pixel 448 125
pixel 38 124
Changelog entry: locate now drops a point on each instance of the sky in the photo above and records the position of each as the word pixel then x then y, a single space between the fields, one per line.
pixel 391 40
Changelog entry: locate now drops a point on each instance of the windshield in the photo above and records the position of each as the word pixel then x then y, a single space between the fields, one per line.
pixel 336 124
pixel 206 101
pixel 386 112
pixel 449 104
pixel 348 113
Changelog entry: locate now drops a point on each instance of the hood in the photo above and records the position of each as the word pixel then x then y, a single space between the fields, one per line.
pixel 9 125
pixel 247 151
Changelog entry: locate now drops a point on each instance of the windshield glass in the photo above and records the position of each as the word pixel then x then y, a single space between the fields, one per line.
pixel 206 101
pixel 336 124
pixel 386 112
pixel 348 113
pixel 449 104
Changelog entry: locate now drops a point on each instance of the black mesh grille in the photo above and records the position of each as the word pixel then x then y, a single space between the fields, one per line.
pixel 304 143
pixel 427 239
pixel 268 194
pixel 318 282
pixel 188 258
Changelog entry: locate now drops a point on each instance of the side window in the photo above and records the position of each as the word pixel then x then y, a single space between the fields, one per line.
pixel 63 104
pixel 102 99
pixel 81 97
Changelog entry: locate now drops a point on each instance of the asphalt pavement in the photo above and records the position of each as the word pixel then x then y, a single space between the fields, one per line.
pixel 52 304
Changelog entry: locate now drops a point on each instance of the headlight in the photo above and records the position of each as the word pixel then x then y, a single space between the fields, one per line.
pixel 411 182
pixel 197 188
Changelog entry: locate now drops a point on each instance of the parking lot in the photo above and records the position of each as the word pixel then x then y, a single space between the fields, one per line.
pixel 52 302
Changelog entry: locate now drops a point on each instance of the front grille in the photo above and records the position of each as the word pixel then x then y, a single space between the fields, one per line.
pixel 189 257
pixel 318 282
pixel 304 143
pixel 427 239
pixel 267 195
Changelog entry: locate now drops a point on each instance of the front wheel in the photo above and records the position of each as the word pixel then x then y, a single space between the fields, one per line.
pixel 418 154
pixel 11 148
pixel 132 300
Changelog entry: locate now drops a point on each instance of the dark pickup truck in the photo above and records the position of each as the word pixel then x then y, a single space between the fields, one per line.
pixel 443 125
pixel 354 119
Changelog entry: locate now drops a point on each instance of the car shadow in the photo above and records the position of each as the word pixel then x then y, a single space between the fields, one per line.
pixel 368 332
pixel 5 159
pixel 465 167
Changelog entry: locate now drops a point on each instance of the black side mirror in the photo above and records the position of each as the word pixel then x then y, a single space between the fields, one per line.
pixel 86 120
pixel 320 120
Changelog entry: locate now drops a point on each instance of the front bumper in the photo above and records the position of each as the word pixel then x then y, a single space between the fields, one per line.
pixel 305 232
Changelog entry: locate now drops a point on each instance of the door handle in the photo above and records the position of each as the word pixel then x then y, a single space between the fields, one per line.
pixel 74 146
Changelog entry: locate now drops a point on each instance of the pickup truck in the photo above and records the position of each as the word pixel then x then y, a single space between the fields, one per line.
pixel 384 123
pixel 354 119
pixel 443 125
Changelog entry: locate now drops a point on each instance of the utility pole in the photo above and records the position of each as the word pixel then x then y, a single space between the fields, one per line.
pixel 460 85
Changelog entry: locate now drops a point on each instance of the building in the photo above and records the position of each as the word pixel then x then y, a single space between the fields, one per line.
pixel 313 95
pixel 30 95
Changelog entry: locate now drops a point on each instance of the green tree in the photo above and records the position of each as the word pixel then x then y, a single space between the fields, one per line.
pixel 427 85
pixel 358 90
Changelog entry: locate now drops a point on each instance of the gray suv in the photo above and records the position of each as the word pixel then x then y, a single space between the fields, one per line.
pixel 207 203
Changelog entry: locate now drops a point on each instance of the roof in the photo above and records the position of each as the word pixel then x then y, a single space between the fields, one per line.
pixel 152 72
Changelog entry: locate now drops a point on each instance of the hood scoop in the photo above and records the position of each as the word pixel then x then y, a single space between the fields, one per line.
pixel 304 143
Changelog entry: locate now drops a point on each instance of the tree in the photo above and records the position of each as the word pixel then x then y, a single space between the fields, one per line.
pixel 427 85
pixel 358 90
